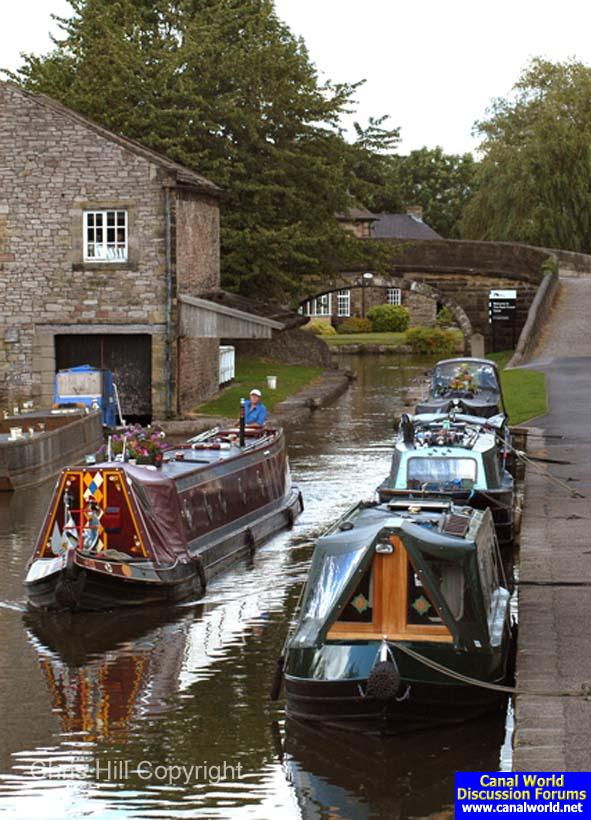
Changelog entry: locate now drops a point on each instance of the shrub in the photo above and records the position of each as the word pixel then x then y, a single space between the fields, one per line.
pixel 431 340
pixel 389 318
pixel 445 317
pixel 355 325
pixel 320 328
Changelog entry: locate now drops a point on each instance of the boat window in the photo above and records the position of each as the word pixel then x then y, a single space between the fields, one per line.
pixel 420 609
pixel 450 579
pixel 443 474
pixel 488 567
pixel 326 585
pixel 360 606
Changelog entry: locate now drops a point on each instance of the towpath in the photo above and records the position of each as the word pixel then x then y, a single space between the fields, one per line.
pixel 554 654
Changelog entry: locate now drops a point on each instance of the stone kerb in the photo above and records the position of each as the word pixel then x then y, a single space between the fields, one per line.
pixel 537 314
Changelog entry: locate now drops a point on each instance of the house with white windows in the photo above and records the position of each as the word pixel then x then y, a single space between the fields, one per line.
pixel 106 251
pixel 339 305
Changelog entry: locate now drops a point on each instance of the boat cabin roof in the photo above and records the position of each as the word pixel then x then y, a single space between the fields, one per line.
pixel 451 549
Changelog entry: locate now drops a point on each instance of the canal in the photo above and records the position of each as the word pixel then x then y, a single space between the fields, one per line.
pixel 166 713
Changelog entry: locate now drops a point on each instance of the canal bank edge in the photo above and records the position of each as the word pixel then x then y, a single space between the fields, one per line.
pixel 289 413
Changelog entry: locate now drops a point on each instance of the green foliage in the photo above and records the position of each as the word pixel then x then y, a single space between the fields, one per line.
pixel 445 317
pixel 320 328
pixel 355 325
pixel 223 87
pixel 549 266
pixel 441 184
pixel 535 177
pixel 252 372
pixel 388 318
pixel 432 340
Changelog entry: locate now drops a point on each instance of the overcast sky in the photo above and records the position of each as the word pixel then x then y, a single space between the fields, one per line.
pixel 433 66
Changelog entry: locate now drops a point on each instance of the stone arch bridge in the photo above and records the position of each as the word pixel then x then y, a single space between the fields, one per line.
pixel 455 273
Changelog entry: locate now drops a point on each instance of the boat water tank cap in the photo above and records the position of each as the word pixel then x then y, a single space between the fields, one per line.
pixel 347 525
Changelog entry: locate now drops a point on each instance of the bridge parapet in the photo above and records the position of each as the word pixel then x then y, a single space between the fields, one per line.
pixel 456 273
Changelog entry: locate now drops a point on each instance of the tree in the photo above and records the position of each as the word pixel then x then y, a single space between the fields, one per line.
pixel 440 183
pixel 221 86
pixel 534 182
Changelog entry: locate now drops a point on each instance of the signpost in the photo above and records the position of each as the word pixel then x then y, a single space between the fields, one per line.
pixel 502 308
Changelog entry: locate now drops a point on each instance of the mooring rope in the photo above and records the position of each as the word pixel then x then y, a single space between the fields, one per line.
pixel 584 691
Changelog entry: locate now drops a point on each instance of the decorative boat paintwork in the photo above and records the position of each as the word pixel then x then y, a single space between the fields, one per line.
pixel 118 534
pixel 385 580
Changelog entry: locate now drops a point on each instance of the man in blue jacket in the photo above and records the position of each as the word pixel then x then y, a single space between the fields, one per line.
pixel 255 412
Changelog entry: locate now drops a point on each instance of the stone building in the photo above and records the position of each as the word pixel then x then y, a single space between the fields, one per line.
pixel 342 304
pixel 103 245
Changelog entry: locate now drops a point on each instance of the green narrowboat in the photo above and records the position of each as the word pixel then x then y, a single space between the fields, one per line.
pixel 405 621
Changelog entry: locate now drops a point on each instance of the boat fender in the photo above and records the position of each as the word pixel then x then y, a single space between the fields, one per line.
pixel 277 678
pixel 384 681
pixel 291 517
pixel 201 573
pixel 250 541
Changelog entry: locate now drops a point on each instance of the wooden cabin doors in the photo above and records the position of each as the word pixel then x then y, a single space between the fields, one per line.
pixel 390 601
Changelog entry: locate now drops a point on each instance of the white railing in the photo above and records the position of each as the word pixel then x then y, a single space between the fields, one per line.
pixel 227 363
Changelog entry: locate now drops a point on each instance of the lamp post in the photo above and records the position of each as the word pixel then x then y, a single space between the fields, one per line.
pixel 367 277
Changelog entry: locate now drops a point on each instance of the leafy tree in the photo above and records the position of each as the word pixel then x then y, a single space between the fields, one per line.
pixel 224 87
pixel 440 183
pixel 534 182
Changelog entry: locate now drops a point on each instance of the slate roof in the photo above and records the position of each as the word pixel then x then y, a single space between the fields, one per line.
pixel 182 174
pixel 401 226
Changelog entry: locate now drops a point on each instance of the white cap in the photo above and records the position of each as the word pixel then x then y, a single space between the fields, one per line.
pixel 255 391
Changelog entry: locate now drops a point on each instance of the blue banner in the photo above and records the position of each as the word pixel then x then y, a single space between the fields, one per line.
pixel 546 793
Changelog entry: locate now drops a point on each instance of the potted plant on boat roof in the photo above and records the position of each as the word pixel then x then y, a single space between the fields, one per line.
pixel 142 445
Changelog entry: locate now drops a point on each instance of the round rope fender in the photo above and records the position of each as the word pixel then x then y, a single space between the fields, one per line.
pixel 384 681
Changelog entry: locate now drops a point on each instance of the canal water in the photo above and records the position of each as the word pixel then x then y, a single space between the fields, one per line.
pixel 166 713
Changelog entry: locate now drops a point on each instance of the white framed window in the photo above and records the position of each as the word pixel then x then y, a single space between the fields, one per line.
pixel 321 306
pixel 343 302
pixel 394 296
pixel 105 236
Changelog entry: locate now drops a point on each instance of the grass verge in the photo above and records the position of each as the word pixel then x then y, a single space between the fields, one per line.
pixel 365 339
pixel 524 391
pixel 251 372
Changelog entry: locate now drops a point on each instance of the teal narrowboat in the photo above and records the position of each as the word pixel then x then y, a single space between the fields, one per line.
pixel 458 457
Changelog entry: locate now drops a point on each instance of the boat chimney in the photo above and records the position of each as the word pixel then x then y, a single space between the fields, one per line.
pixel 242 421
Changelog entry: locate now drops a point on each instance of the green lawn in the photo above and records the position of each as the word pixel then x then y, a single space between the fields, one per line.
pixel 524 391
pixel 365 339
pixel 251 372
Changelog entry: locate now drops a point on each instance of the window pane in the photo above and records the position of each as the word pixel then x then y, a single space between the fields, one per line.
pixel 445 474
pixel 110 217
pixel 420 609
pixel 359 608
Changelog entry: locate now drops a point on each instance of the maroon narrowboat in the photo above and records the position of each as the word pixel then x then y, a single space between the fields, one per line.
pixel 121 534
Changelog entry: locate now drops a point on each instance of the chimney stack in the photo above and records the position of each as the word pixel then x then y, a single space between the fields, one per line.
pixel 416 211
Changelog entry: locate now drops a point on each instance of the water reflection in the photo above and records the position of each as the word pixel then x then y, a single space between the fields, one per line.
pixel 340 775
pixel 89 703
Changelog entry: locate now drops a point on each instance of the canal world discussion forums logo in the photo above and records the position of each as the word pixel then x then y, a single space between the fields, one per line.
pixel 523 793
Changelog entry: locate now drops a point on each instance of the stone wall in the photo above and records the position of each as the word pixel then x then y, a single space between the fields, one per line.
pixel 288 346
pixel 53 167
pixel 199 374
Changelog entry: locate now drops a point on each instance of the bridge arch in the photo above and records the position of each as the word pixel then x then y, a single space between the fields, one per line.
pixel 383 282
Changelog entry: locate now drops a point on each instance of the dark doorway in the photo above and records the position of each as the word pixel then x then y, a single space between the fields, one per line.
pixel 128 356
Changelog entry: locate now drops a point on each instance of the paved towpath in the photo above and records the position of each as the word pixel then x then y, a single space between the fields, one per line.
pixel 554 654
